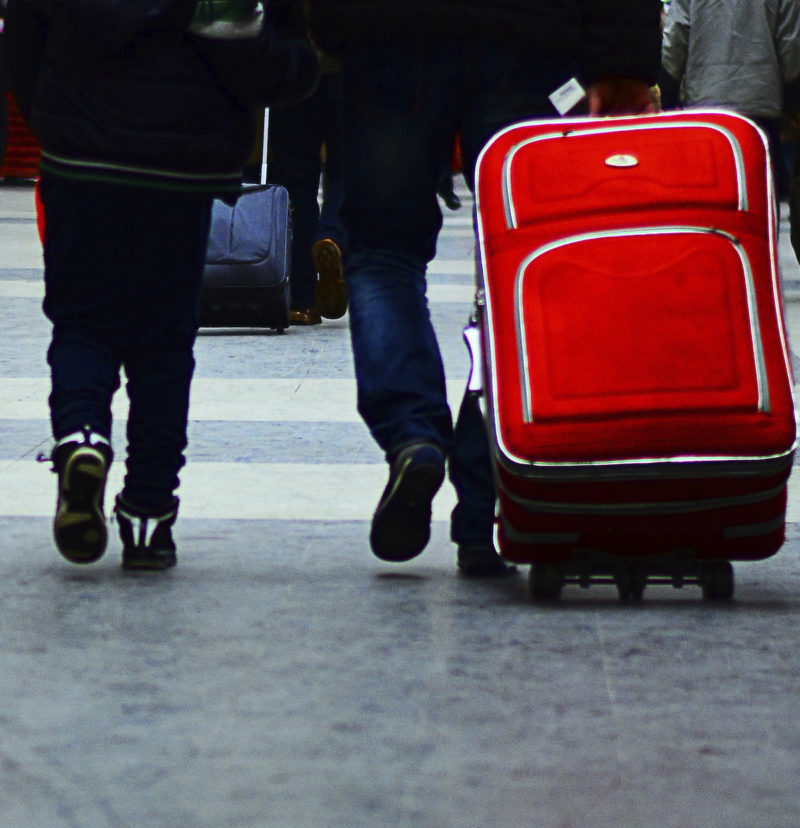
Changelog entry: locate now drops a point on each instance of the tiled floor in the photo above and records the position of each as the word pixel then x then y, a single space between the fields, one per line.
pixel 282 676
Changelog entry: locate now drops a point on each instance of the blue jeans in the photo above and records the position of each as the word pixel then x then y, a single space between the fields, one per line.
pixel 403 106
pixel 123 267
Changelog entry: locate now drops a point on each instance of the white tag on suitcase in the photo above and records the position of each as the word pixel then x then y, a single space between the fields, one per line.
pixel 568 96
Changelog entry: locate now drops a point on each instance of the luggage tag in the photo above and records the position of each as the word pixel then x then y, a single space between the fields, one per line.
pixel 568 96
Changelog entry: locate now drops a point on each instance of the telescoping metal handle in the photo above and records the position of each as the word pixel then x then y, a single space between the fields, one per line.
pixel 264 147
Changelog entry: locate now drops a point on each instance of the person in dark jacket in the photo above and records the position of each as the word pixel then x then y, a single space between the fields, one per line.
pixel 415 73
pixel 742 55
pixel 144 110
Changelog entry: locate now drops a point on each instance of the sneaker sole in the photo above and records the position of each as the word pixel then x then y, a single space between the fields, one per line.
pixel 401 527
pixel 330 292
pixel 147 561
pixel 79 527
pixel 488 567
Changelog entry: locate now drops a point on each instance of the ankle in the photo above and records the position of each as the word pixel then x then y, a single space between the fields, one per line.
pixel 85 437
pixel 147 509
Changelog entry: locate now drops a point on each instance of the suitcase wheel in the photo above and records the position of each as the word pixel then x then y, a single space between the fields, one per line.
pixel 545 581
pixel 630 583
pixel 716 581
pixel 715 578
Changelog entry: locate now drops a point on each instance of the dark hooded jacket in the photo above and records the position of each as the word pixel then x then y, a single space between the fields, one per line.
pixel 606 37
pixel 118 90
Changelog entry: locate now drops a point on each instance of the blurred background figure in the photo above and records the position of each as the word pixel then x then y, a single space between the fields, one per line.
pixel 304 149
pixel 743 55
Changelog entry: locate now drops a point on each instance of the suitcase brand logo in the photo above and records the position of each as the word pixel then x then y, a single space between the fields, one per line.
pixel 622 161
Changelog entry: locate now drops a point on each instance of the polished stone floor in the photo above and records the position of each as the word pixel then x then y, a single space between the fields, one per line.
pixel 282 676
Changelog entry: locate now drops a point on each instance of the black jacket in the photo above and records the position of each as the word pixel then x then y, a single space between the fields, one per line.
pixel 120 91
pixel 609 37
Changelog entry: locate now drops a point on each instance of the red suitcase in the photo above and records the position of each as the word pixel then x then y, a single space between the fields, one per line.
pixel 638 385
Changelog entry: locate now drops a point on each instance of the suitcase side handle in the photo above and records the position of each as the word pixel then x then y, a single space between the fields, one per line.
pixel 474 342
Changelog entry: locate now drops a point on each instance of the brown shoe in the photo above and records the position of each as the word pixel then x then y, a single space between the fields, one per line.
pixel 304 316
pixel 331 292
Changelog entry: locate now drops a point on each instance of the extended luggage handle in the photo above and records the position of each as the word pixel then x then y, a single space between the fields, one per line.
pixel 250 187
pixel 264 147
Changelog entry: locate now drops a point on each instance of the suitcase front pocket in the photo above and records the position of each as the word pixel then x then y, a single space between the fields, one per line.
pixel 636 322
pixel 623 167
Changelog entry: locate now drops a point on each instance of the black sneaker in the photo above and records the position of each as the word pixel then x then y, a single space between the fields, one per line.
pixel 81 461
pixel 401 526
pixel 146 538
pixel 481 561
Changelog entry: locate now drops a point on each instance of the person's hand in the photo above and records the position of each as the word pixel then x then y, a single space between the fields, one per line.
pixel 620 96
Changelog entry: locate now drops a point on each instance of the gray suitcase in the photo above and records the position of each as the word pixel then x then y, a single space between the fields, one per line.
pixel 248 260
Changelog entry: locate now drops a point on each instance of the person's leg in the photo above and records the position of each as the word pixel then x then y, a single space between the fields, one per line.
pixel 395 138
pixel 794 199
pixel 171 230
pixel 159 363
pixel 326 253
pixel 330 222
pixel 501 87
pixel 780 170
pixel 397 133
pixel 294 163
pixel 470 471
pixel 153 248
pixel 84 257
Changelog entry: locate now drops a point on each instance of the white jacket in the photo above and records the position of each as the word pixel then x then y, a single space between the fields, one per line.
pixel 737 54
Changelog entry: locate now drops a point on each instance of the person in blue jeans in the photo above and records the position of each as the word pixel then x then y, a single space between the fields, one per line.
pixel 415 73
pixel 144 110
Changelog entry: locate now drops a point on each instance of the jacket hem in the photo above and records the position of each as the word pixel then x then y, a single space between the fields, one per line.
pixel 134 176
